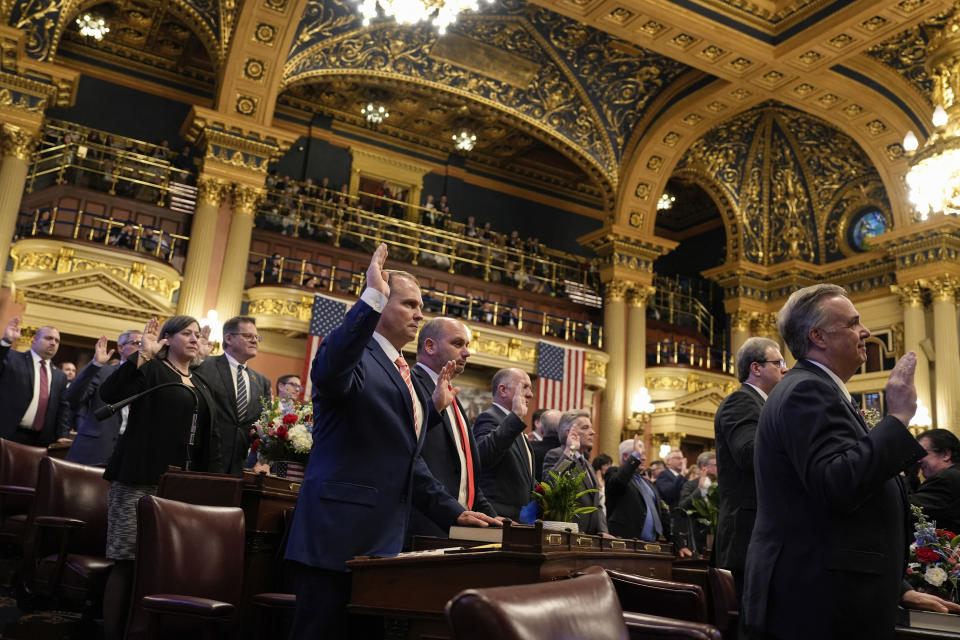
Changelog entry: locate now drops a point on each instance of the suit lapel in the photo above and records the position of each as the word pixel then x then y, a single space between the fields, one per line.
pixel 223 368
pixel 391 370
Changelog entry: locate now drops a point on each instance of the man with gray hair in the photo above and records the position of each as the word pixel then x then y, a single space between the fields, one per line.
pixel 829 544
pixel 577 434
pixel 760 367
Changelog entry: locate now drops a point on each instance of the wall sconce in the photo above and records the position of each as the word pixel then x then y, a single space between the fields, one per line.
pixel 216 330
pixel 641 409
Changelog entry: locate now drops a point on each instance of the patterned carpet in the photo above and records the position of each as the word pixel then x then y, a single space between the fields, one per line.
pixel 39 625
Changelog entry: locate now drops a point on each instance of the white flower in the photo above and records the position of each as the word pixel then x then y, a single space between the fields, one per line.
pixel 935 576
pixel 300 438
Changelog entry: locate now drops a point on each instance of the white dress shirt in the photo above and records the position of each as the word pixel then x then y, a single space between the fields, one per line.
pixel 233 376
pixel 455 429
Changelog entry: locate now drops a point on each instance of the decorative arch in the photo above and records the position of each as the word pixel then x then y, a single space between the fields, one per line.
pixel 728 212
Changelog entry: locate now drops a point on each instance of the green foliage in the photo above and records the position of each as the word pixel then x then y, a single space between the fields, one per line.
pixel 557 498
pixel 707 509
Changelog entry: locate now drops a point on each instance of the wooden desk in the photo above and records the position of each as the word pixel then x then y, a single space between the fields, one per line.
pixel 412 591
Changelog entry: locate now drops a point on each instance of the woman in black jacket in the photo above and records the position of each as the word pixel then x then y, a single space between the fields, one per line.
pixel 159 433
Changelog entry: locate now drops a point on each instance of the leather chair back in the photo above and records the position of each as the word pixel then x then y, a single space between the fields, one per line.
pixel 71 490
pixel 583 607
pixel 677 600
pixel 19 465
pixel 723 593
pixel 186 549
pixel 646 627
pixel 209 489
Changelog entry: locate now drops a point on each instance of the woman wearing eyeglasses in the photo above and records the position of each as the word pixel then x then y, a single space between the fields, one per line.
pixel 159 433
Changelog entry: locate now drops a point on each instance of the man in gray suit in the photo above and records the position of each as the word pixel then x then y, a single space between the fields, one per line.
pixel 577 434
pixel 237 390
pixel 96 438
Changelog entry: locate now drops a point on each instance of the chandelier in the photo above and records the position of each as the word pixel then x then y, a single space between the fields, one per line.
pixel 933 177
pixel 91 27
pixel 441 13
pixel 665 202
pixel 375 113
pixel 464 140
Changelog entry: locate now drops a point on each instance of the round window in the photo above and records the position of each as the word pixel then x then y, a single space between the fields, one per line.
pixel 865 225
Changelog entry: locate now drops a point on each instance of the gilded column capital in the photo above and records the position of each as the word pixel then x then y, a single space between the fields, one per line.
pixel 741 319
pixel 246 199
pixel 616 290
pixel 910 294
pixel 211 190
pixel 17 142
pixel 765 324
pixel 944 288
pixel 638 295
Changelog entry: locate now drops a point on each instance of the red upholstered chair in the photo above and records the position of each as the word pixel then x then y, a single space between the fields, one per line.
pixel 725 612
pixel 19 464
pixel 189 570
pixel 639 594
pixel 64 552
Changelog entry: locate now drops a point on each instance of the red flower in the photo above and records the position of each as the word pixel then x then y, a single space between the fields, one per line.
pixel 539 489
pixel 290 418
pixel 255 445
pixel 925 554
pixel 282 432
pixel 949 535
pixel 909 571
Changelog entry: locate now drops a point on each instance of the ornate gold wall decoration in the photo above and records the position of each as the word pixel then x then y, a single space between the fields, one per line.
pixel 894 151
pixel 652 28
pixel 620 15
pixel 594 366
pixel 827 100
pixel 692 119
pixel 804 89
pixel 265 34
pixel 876 127
pixel 853 110
pixel 873 23
pixel 635 219
pixel 716 106
pixel 246 105
pixel 253 69
pixel 910 294
pixel 772 77
pixel 637 295
pixel 741 64
pixel 17 142
pixel 671 138
pixel 642 191
pixel 712 52
pixel 211 191
pixel 944 288
pixel 840 41
pixel 683 40
pixel 615 291
pixel 246 199
pixel 654 163
pixel 809 57
pixel 740 93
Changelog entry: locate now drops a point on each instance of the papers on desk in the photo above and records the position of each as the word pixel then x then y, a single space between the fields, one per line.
pixel 428 552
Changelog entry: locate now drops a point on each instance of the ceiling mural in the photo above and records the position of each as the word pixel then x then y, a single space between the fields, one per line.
pixel 580 85
pixel 793 181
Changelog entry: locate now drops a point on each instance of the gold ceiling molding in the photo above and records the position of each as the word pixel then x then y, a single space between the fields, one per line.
pixel 626 254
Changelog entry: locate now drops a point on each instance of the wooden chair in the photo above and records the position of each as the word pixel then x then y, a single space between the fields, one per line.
pixel 639 594
pixel 19 465
pixel 725 610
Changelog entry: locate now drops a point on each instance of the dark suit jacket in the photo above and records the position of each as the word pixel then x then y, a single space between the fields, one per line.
pixel 829 545
pixel 540 449
pixel 158 427
pixel 669 486
pixel 735 428
pixel 16 383
pixel 939 496
pixel 440 455
pixel 626 509
pixel 506 476
pixel 234 435
pixel 365 465
pixel 594 522
pixel 688 525
pixel 95 439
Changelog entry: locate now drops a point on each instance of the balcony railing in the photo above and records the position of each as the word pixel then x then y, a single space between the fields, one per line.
pixel 324 277
pixel 670 353
pixel 678 303
pixel 76 224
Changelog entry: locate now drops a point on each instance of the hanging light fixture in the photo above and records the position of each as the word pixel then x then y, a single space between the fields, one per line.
pixel 91 27
pixel 933 177
pixel 375 113
pixel 440 13
pixel 665 202
pixel 465 140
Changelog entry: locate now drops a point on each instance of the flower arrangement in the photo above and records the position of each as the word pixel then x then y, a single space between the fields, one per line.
pixel 871 416
pixel 706 509
pixel 934 563
pixel 284 431
pixel 557 500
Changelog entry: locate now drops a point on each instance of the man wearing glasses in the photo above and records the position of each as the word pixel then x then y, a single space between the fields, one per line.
pixel 96 438
pixel 288 391
pixel 237 390
pixel 760 367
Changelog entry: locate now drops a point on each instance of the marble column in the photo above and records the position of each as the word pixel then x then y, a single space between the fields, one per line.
pixel 245 200
pixel 614 339
pixel 636 363
pixel 210 195
pixel 914 332
pixel 947 342
pixel 17 145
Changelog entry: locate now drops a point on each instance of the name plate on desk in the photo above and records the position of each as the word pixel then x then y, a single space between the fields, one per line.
pixel 540 539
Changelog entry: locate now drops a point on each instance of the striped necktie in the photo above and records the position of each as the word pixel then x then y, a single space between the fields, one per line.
pixel 241 394
pixel 468 458
pixel 405 374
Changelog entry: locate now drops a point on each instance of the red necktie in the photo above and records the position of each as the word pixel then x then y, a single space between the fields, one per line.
pixel 465 443
pixel 405 374
pixel 44 398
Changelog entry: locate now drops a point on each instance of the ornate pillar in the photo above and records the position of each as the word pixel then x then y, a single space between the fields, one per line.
pixel 230 293
pixel 17 146
pixel 614 338
pixel 636 297
pixel 914 332
pixel 193 292
pixel 739 329
pixel 947 364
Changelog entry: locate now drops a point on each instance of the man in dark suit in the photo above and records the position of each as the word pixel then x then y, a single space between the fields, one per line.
pixel 577 434
pixel 939 495
pixel 696 531
pixel 455 466
pixel 506 461
pixel 237 390
pixel 829 545
pixel 760 367
pixel 549 423
pixel 671 480
pixel 365 467
pixel 96 439
pixel 32 398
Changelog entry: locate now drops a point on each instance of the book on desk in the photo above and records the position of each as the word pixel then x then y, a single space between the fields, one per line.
pixel 933 621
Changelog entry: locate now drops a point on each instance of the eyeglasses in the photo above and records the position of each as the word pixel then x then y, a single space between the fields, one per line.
pixel 248 336
pixel 780 363
pixel 135 343
pixel 294 385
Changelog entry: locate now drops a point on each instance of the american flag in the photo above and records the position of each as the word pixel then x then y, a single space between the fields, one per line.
pixel 559 377
pixel 326 316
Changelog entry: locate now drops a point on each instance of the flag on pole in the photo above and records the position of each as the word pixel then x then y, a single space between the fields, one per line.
pixel 327 314
pixel 559 377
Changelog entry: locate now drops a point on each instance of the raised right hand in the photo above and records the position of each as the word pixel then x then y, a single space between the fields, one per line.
pixel 100 353
pixel 12 333
pixel 901 394
pixel 519 401
pixel 376 278
pixel 150 343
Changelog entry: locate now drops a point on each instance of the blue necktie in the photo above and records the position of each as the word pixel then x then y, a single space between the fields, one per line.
pixel 652 528
pixel 241 394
